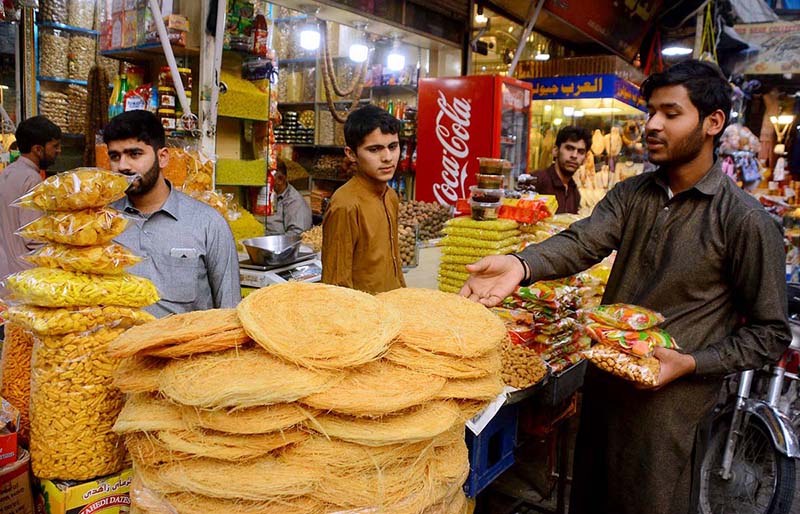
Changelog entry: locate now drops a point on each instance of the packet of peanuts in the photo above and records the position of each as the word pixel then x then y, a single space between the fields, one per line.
pixel 642 370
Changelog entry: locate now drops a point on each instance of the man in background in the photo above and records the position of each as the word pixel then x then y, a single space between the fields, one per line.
pixel 569 153
pixel 39 142
pixel 292 213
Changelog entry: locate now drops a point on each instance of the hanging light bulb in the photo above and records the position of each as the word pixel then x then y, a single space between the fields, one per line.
pixel 395 61
pixel 541 54
pixel 309 34
pixel 359 51
pixel 309 37
pixel 480 18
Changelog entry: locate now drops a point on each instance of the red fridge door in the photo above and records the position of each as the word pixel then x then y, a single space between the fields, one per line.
pixel 456 125
pixel 513 124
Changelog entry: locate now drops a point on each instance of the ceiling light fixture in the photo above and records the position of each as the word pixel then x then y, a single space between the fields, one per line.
pixel 395 61
pixel 359 51
pixel 781 124
pixel 569 111
pixel 309 34
pixel 676 50
pixel 557 122
pixel 481 18
pixel 541 54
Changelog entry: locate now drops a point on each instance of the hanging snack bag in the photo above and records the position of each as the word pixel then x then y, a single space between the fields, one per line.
pixel 50 287
pixel 47 321
pixel 74 404
pixel 81 188
pixel 108 259
pixel 88 227
pixel 625 317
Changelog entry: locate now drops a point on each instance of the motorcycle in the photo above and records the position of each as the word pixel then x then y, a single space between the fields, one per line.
pixel 749 466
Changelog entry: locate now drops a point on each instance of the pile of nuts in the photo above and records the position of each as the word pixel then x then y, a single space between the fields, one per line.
pixel 55 107
pixel 408 245
pixel 82 50
pixel 430 217
pixel 53 54
pixel 53 10
pixel 642 370
pixel 522 366
pixel 81 13
pixel 76 97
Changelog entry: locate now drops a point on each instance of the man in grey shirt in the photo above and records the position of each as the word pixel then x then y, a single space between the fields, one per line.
pixel 188 248
pixel 292 213
pixel 691 245
pixel 39 142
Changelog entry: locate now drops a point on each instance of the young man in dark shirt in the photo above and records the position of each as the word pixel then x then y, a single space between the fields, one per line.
pixel 696 248
pixel 572 143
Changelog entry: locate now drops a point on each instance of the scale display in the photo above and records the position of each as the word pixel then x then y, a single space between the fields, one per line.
pixel 301 273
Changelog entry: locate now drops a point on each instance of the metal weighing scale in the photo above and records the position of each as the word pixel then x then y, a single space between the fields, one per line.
pixel 306 268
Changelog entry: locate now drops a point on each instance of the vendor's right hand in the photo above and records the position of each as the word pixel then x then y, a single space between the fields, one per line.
pixel 492 279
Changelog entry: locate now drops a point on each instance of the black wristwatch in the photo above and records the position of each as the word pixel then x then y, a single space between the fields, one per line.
pixel 527 278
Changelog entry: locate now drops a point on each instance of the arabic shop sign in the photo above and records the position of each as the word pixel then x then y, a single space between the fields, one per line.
pixel 591 86
pixel 628 93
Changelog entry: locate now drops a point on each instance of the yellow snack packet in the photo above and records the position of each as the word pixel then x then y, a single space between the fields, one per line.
pixel 52 287
pixel 80 228
pixel 81 188
pixel 479 243
pixel 496 225
pixel 59 321
pixel 108 259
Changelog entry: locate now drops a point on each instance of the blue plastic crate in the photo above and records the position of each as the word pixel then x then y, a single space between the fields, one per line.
pixel 491 452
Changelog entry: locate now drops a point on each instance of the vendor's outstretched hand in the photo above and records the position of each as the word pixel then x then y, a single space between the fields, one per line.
pixel 674 365
pixel 492 279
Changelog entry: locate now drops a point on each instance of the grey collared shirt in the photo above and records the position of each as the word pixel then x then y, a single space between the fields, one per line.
pixel 292 214
pixel 189 254
pixel 705 259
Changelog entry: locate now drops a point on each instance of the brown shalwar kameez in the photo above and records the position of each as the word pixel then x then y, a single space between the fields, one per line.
pixel 360 241
pixel 705 258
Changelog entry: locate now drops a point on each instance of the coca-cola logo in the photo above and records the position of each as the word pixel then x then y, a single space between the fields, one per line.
pixel 452 123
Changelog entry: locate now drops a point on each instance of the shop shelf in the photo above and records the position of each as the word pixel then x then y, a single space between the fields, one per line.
pixel 290 18
pixel 70 28
pixel 236 172
pixel 492 451
pixel 393 89
pixel 298 60
pixel 63 81
pixel 242 100
pixel 289 105
pixel 148 52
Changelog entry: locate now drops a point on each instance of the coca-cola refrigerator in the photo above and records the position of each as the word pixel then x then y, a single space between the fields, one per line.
pixel 461 119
